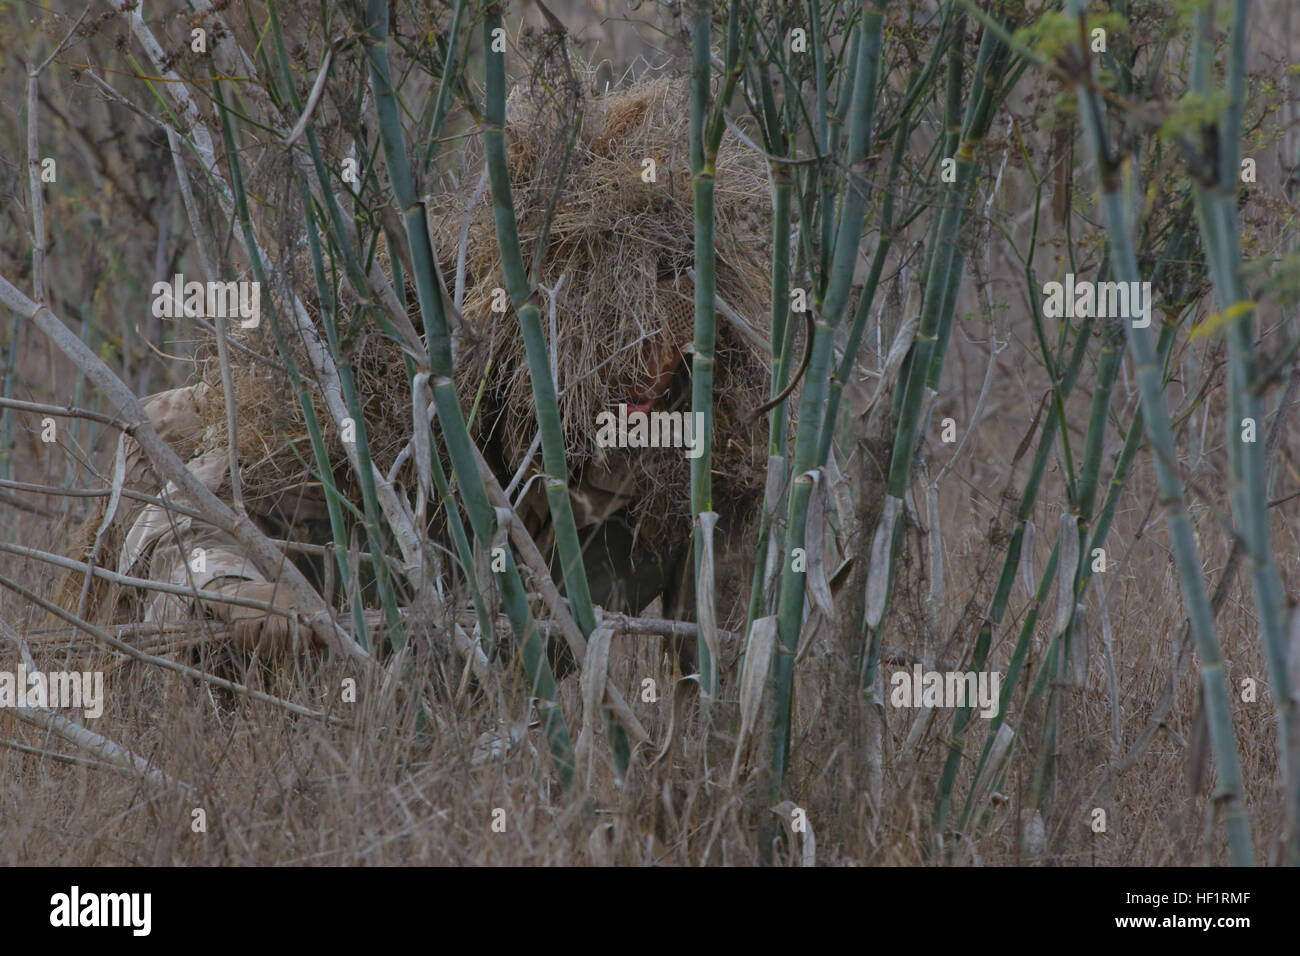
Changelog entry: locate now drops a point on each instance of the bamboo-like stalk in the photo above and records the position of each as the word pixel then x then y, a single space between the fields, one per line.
pixel 1132 442
pixel 920 373
pixel 455 434
pixel 392 316
pixel 707 124
pixel 1100 530
pixel 1216 208
pixel 1083 489
pixel 702 357
pixel 370 285
pixel 333 500
pixel 1006 578
pixel 366 472
pixel 524 300
pixel 778 137
pixel 944 270
pixel 868 295
pixel 848 235
pixel 777 421
pixel 1083 494
pixel 1118 217
pixel 826 201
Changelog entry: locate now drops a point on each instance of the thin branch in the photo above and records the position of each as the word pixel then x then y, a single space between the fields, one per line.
pixel 97 744
pixel 201 239
pixel 34 187
pixel 63 412
pixel 313 98
pixel 67 38
pixel 192 672
pixel 532 557
pixel 143 584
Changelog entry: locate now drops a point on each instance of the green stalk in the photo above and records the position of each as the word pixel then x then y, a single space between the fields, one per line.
pixel 1101 529
pixel 868 295
pixel 1118 212
pixel 456 435
pixel 332 220
pixel 922 370
pixel 826 203
pixel 1006 577
pixel 816 382
pixel 942 268
pixel 333 501
pixel 984 102
pixel 778 135
pixel 524 300
pixel 702 358
pixel 1216 208
pixel 392 617
pixel 706 130
pixel 1084 494
pixel 777 420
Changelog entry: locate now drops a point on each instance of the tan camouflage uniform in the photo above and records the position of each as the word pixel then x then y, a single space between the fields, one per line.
pixel 149 541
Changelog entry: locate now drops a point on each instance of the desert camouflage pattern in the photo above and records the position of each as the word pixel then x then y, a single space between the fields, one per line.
pixel 156 543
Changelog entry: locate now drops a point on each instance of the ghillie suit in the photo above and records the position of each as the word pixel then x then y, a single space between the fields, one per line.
pixel 158 543
pixel 619 259
pixel 623 330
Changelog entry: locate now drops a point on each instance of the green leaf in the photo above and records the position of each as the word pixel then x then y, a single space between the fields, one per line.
pixel 1212 323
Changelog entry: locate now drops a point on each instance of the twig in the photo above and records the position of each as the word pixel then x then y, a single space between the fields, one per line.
pixel 16 502
pixel 98 744
pixel 223 350
pixel 532 557
pixel 313 98
pixel 192 672
pixel 43 409
pixel 63 758
pixel 625 624
pixel 201 594
pixel 67 38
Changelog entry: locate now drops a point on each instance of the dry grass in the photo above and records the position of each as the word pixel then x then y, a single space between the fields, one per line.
pixel 283 789
pixel 409 775
pixel 622 247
